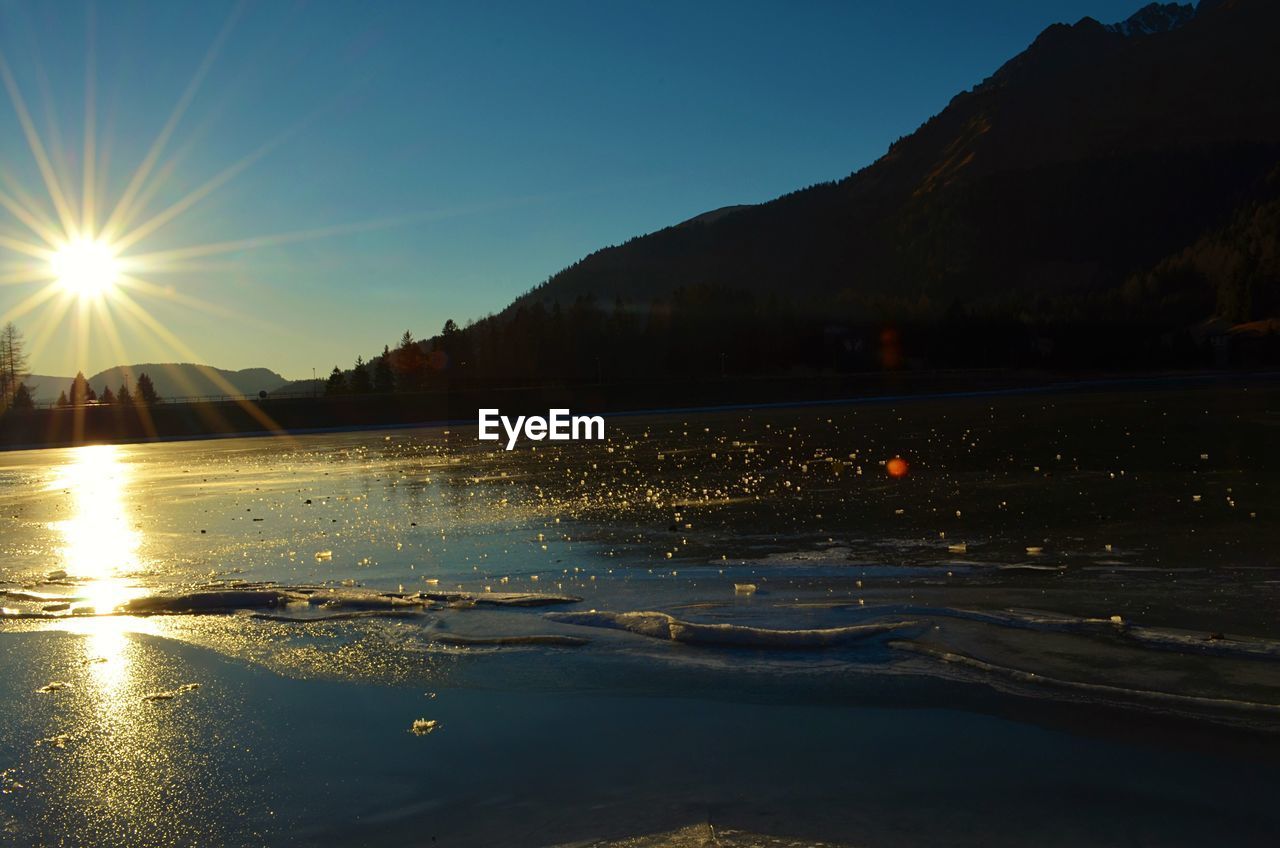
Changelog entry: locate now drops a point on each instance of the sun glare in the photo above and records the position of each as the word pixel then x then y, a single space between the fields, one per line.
pixel 85 267
pixel 87 256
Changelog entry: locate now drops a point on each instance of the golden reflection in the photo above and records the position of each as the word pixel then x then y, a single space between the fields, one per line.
pixel 106 650
pixel 100 552
pixel 100 544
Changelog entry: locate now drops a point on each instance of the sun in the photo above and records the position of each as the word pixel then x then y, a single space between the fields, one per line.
pixel 87 268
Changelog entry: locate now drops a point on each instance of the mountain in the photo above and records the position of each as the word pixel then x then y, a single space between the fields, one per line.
pixel 1155 18
pixel 1054 191
pixel 172 380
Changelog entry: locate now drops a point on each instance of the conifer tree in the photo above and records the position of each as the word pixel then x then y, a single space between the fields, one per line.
pixel 146 390
pixel 22 398
pixel 384 380
pixel 336 384
pixel 81 392
pixel 360 382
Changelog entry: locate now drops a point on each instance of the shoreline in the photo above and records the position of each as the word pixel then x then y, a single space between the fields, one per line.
pixel 199 421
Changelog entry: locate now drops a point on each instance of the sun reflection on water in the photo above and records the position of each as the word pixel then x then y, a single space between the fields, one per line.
pixel 99 544
pixel 100 553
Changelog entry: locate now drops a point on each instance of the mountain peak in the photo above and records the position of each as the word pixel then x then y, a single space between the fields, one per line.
pixel 1155 18
pixel 1083 161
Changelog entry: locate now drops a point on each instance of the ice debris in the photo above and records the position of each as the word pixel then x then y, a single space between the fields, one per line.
pixel 424 726
pixel 659 625
pixel 170 695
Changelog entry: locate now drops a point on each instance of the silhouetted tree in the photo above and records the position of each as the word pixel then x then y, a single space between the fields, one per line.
pixel 62 398
pixel 107 395
pixel 360 382
pixel 22 398
pixel 146 392
pixel 384 380
pixel 336 384
pixel 13 361
pixel 81 391
pixel 409 364
pixel 124 397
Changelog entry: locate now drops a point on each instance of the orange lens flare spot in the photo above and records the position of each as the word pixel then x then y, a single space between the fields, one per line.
pixel 897 467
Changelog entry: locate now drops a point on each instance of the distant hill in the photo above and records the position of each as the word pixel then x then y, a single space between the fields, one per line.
pixel 171 380
pixel 1057 189
pixel 300 387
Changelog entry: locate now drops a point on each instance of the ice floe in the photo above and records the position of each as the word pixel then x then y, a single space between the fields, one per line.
pixel 659 625
pixel 703 836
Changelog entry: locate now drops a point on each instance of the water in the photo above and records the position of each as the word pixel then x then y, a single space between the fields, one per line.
pixel 1082 591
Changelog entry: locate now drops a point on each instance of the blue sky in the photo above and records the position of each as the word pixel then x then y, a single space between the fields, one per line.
pixel 455 153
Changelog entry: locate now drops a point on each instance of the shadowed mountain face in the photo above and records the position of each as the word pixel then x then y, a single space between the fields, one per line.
pixel 172 380
pixel 1065 187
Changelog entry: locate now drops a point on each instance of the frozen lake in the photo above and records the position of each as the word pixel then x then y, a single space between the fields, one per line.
pixel 1059 626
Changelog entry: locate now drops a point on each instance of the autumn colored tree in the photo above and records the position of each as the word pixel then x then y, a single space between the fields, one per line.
pixel 410 364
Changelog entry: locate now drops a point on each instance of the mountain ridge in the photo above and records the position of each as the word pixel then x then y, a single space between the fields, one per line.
pixel 1180 121
pixel 171 379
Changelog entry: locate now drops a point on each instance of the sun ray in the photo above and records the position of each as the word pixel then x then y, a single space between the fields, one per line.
pixel 216 421
pixel 48 320
pixel 52 183
pixel 20 246
pixel 167 293
pixel 213 376
pixel 55 148
pixel 88 211
pixel 193 197
pixel 22 210
pixel 113 339
pixel 28 303
pixel 124 209
pixel 27 275
pixel 109 329
pixel 156 260
pixel 93 287
pixel 80 336
pixel 226 266
pixel 108 317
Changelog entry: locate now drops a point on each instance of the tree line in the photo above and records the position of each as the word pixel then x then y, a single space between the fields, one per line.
pixel 710 332
pixel 17 395
pixel 82 394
